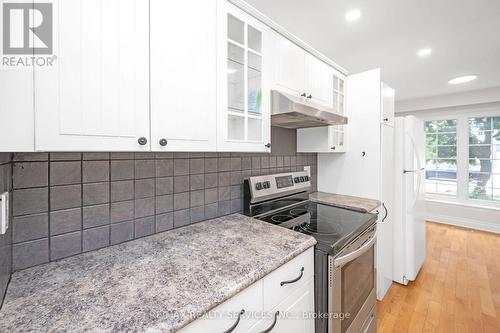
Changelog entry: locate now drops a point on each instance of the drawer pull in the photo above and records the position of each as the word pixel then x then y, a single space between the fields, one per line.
pixel 273 324
pixel 294 280
pixel 236 323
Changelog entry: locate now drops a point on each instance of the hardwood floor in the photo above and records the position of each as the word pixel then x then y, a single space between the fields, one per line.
pixel 457 289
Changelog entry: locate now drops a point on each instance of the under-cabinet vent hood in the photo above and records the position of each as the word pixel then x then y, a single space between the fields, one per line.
pixel 293 112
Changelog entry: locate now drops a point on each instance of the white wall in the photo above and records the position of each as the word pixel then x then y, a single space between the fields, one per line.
pixel 475 215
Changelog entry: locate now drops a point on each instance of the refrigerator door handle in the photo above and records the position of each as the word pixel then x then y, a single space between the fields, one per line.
pixel 386 212
pixel 408 171
pixel 419 168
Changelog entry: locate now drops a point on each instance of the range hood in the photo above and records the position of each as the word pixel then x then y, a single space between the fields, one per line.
pixel 293 112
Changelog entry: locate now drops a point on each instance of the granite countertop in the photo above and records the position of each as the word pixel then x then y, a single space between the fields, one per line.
pixel 359 204
pixel 159 283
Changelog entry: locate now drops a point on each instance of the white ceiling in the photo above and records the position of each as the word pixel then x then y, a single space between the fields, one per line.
pixel 464 36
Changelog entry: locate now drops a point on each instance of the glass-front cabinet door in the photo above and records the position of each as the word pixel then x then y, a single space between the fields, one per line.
pixel 243 106
pixel 337 133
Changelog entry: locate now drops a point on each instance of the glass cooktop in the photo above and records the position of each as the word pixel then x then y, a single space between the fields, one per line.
pixel 332 227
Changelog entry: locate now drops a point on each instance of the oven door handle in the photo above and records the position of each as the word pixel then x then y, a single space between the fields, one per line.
pixel 355 254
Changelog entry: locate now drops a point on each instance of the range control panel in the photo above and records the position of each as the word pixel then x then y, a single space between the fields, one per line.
pixel 269 186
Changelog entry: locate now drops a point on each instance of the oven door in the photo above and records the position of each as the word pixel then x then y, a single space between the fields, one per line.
pixel 351 292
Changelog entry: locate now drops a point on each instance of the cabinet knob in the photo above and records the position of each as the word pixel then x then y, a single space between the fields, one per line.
pixel 142 141
pixel 303 95
pixel 333 148
pixel 163 142
pixel 268 145
pixel 363 153
pixel 310 96
pixel 386 119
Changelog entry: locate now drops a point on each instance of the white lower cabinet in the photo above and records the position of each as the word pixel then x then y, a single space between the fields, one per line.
pixel 225 316
pixel 293 315
pixel 289 290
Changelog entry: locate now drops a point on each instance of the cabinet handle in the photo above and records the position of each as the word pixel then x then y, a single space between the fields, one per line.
pixel 163 142
pixel 294 280
pixel 230 329
pixel 142 141
pixel 274 323
pixel 386 119
pixel 363 153
pixel 303 95
pixel 268 145
pixel 333 148
pixel 386 212
pixel 310 96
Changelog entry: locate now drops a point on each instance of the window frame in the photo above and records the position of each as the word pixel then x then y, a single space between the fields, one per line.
pixel 442 195
pixel 492 174
pixel 462 116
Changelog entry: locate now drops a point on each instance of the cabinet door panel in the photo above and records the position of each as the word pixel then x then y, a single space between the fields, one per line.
pixel 183 75
pixel 243 67
pixel 222 317
pixel 385 235
pixel 289 63
pixel 17 120
pixel 291 317
pixel 319 80
pixel 96 97
pixel 388 97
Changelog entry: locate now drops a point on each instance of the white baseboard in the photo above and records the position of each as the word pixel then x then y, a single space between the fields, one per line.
pixel 465 223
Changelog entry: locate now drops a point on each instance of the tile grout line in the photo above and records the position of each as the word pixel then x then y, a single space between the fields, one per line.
pixel 81 203
pixel 49 189
pixel 154 196
pixel 110 200
pixel 134 199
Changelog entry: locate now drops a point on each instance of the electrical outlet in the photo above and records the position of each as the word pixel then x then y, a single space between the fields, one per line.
pixel 4 212
pixel 308 169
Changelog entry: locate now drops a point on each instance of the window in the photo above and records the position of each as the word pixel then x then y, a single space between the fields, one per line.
pixel 484 158
pixel 441 157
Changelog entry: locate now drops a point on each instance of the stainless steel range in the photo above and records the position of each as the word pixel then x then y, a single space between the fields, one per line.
pixel 344 255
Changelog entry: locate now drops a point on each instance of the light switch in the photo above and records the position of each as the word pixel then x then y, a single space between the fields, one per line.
pixel 4 212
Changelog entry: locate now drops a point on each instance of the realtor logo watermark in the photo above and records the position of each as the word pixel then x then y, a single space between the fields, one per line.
pixel 27 34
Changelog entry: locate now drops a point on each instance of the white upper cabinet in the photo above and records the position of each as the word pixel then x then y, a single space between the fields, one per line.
pixel 17 121
pixel 299 73
pixel 183 76
pixel 331 139
pixel 327 139
pixel 136 75
pixel 243 68
pixel 289 67
pixel 96 97
pixel 319 80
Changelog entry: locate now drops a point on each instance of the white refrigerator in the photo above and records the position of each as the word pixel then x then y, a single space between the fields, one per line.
pixel 409 208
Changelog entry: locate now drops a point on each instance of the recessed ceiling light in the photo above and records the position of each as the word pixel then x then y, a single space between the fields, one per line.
pixel 463 79
pixel 424 52
pixel 352 15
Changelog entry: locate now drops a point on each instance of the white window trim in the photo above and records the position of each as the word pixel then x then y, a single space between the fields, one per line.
pixel 462 197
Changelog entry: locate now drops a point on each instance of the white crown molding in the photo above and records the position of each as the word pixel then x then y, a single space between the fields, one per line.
pixel 243 5
pixel 474 97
